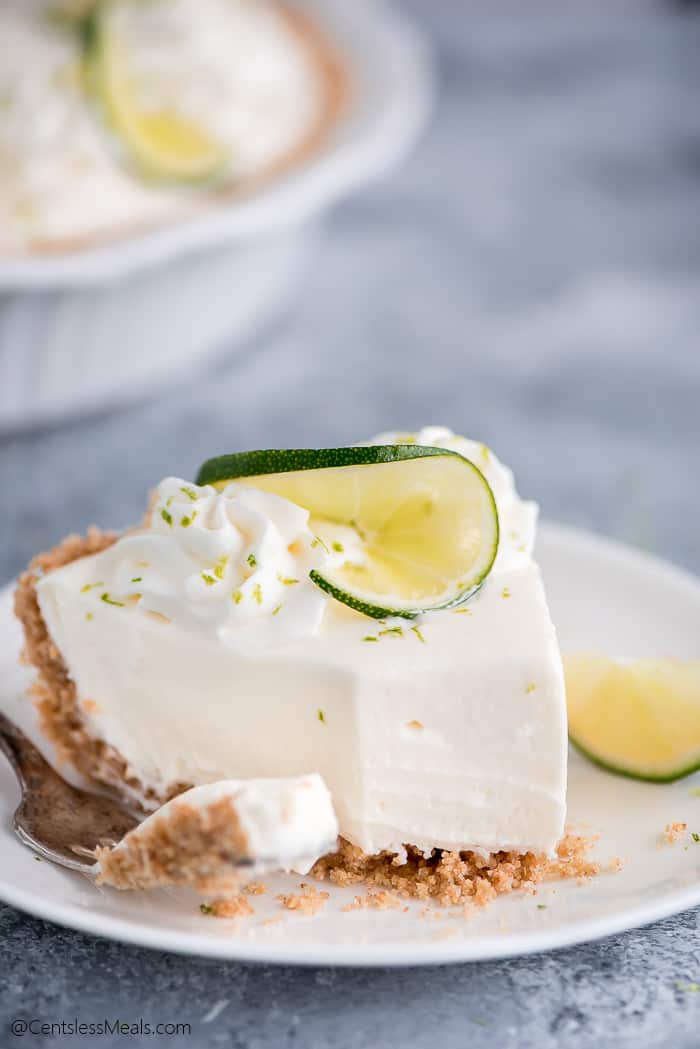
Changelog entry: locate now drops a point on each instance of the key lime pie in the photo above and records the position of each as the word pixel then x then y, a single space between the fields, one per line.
pixel 119 115
pixel 372 614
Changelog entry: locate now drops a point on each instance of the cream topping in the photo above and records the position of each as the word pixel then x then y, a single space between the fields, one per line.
pixel 231 565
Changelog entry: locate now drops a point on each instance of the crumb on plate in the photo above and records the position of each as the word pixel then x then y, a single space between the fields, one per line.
pixel 228 907
pixel 674 832
pixel 308 901
pixel 255 888
pixel 376 901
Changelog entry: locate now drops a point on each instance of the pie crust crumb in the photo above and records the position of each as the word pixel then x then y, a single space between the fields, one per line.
pixel 376 901
pixel 309 901
pixel 463 879
pixel 674 832
pixel 230 907
pixel 255 888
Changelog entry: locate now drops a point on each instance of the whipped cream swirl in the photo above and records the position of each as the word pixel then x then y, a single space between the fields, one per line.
pixel 231 564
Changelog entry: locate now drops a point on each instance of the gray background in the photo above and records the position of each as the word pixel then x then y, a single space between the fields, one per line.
pixel 530 277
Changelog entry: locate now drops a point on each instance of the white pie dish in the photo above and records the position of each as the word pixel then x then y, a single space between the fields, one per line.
pixel 94 326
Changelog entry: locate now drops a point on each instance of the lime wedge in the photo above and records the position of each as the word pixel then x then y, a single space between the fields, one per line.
pixel 161 142
pixel 421 522
pixel 639 719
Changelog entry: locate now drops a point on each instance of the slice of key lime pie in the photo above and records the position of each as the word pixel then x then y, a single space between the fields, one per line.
pixel 373 614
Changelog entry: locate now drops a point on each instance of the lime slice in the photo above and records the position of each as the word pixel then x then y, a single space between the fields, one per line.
pixel 161 142
pixel 422 522
pixel 639 719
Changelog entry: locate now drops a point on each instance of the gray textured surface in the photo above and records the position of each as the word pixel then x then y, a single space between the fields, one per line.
pixel 532 277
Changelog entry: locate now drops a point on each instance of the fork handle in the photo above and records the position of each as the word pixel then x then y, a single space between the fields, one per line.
pixel 25 758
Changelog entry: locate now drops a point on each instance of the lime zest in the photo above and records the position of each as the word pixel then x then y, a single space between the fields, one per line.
pixel 110 601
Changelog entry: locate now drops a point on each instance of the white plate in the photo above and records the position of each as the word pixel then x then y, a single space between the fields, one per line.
pixel 602 596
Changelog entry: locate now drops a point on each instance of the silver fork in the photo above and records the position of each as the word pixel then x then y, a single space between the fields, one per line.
pixel 57 821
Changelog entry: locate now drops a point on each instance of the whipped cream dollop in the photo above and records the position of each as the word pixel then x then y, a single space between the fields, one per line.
pixel 231 564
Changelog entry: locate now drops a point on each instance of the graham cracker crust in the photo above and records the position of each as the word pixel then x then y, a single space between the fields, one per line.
pixel 190 846
pixel 462 881
pixel 452 878
pixel 335 83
